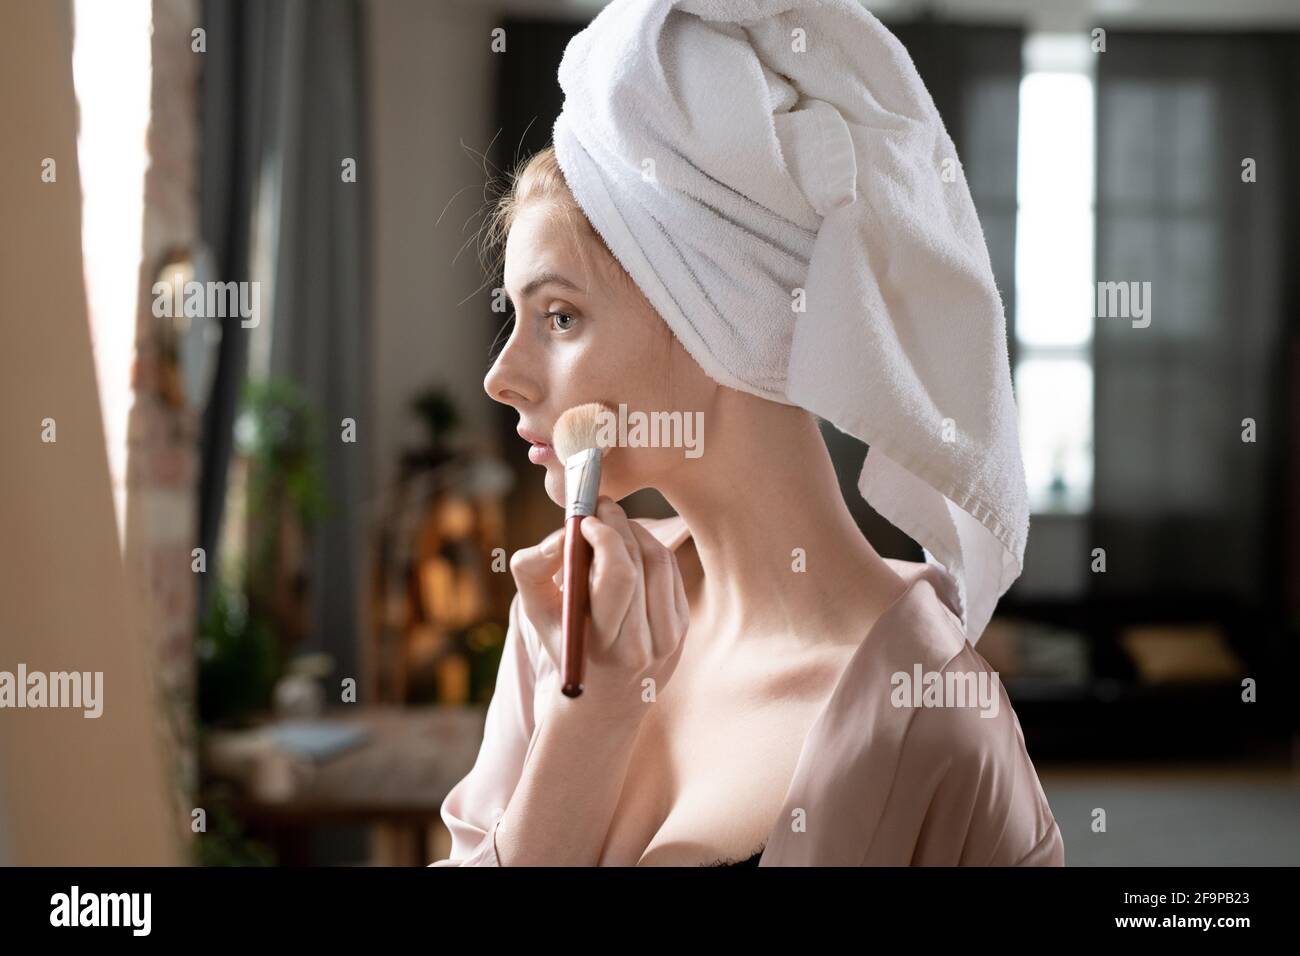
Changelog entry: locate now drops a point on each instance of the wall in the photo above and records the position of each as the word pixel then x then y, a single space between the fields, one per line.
pixel 73 790
pixel 430 100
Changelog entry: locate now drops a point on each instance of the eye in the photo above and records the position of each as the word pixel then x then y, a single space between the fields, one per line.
pixel 561 321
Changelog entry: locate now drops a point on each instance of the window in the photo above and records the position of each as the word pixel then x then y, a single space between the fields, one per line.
pixel 1055 226
pixel 111 71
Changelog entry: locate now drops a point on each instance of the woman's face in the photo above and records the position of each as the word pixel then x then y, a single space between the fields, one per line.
pixel 583 332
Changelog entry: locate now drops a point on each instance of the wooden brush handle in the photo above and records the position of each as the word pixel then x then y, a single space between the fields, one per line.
pixel 576 607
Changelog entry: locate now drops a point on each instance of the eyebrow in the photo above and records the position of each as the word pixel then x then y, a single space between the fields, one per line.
pixel 546 278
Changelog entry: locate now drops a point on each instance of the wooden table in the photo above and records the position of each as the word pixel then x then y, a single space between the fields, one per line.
pixel 396 780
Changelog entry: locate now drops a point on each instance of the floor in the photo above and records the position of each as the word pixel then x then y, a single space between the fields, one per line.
pixel 1225 815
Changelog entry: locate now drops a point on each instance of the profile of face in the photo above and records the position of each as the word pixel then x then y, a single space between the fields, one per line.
pixel 583 332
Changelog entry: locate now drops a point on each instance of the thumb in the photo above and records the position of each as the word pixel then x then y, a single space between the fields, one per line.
pixel 534 570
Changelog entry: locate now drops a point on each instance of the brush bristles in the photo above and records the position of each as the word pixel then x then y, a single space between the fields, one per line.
pixel 578 429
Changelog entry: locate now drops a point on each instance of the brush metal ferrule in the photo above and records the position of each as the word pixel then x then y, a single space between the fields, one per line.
pixel 581 482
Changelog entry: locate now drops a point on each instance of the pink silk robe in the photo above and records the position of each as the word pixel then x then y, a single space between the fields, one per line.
pixel 875 784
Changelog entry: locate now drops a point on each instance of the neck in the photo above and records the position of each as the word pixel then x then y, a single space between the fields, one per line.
pixel 778 546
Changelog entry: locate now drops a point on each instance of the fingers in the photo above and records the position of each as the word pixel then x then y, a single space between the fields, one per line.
pixel 634 579
pixel 662 611
pixel 534 571
pixel 679 599
pixel 609 511
pixel 614 580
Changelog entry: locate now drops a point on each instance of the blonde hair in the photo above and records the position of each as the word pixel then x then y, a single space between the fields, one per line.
pixel 537 180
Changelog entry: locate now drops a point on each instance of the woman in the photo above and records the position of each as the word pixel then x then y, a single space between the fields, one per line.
pixel 753 687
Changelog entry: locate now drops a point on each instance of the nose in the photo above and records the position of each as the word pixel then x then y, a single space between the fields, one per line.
pixel 506 382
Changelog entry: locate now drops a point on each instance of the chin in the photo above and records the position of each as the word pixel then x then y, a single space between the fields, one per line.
pixel 555 484
pixel 613 483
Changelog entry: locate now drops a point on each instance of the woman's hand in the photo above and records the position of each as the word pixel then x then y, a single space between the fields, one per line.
pixel 639 613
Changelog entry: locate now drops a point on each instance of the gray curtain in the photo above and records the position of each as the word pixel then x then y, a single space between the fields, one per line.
pixel 1186 510
pixel 283 106
pixel 233 130
pixel 319 313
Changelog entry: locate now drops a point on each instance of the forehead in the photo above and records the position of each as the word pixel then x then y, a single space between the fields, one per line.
pixel 542 240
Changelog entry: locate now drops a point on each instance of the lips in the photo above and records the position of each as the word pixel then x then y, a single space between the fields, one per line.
pixel 540 451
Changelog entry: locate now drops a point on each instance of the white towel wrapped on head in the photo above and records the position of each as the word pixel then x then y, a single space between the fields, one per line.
pixel 771 173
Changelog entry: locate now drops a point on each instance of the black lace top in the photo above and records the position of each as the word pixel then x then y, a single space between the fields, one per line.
pixel 752 861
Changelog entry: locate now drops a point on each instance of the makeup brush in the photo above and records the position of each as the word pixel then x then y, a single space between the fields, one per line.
pixel 576 445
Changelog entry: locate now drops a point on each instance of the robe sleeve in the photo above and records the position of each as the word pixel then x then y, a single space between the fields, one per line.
pixel 986 805
pixel 473 808
pixel 886 780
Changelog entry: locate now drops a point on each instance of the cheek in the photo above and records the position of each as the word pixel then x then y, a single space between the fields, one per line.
pixel 587 371
pixel 632 363
pixel 639 374
pixel 630 469
pixel 621 361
